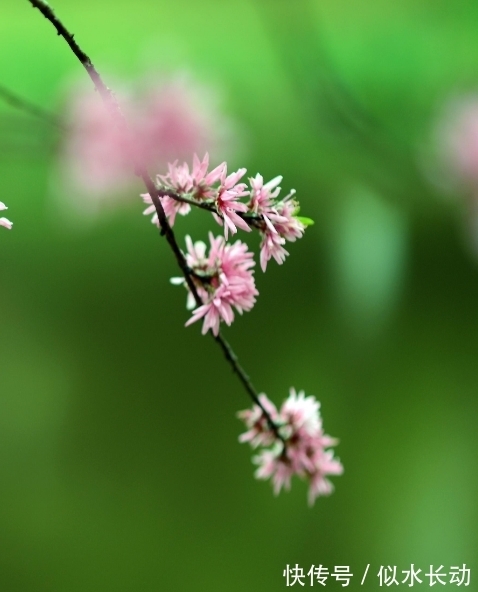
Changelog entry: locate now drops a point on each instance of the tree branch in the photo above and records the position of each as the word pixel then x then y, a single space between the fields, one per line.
pixel 255 220
pixel 155 194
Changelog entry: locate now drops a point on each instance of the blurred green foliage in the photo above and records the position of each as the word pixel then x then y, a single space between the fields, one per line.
pixel 120 466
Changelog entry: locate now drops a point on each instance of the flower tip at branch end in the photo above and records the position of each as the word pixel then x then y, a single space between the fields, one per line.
pixel 304 450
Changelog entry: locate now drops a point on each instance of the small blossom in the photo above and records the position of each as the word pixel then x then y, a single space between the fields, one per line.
pixel 224 281
pixel 280 221
pixel 272 464
pixel 262 198
pixel 171 207
pixel 202 181
pixel 304 449
pixel 198 184
pixel 288 225
pixel 271 246
pixel 302 413
pixel 259 433
pixel 4 221
pixel 227 201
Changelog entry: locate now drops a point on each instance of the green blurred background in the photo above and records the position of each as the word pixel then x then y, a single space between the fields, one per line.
pixel 119 463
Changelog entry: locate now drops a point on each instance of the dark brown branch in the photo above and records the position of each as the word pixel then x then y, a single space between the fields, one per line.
pixel 255 220
pixel 61 30
pixel 154 193
pixel 246 382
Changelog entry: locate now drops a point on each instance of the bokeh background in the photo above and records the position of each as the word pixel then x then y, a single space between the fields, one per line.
pixel 119 463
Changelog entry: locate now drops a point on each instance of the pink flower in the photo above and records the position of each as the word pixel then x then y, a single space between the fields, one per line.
pixel 171 208
pixel 273 465
pixel 3 221
pixel 302 413
pixel 259 433
pixel 286 227
pixel 287 224
pixel 280 219
pixel 224 280
pixel 271 246
pixel 304 450
pixel 276 220
pixel 263 196
pixel 227 201
pixel 222 190
pixel 202 181
pixel 198 183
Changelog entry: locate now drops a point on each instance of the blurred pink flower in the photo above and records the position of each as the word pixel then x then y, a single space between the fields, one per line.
pixel 306 451
pixel 224 280
pixel 3 221
pixel 96 152
pixel 456 137
pixel 259 432
pixel 176 118
pixel 452 161
pixel 172 119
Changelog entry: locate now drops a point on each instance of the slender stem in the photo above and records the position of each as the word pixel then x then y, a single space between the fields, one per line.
pixel 203 205
pixel 253 219
pixel 246 382
pixel 101 87
pixel 155 194
pixel 22 104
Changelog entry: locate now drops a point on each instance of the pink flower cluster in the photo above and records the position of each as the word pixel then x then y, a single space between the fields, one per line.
pixel 275 218
pixel 304 451
pixel 223 278
pixel 3 221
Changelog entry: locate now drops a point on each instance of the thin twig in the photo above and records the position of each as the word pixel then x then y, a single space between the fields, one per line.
pixel 155 195
pixel 22 104
pixel 255 220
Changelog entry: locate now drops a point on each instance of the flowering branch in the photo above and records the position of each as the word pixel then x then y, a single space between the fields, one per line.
pixel 154 193
pixel 250 218
pixel 222 280
pixel 118 118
